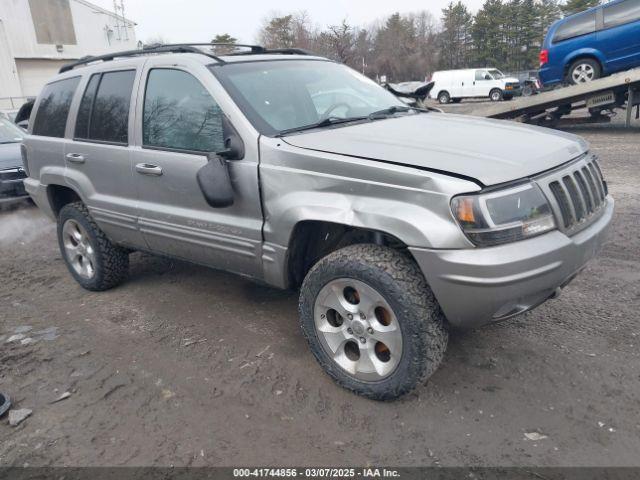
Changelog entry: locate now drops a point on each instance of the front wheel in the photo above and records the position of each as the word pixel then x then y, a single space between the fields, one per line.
pixel 496 95
pixel 372 322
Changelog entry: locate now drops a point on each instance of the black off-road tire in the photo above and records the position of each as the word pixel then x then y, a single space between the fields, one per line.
pixel 112 261
pixel 399 280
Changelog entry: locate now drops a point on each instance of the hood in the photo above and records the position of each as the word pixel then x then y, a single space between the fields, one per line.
pixel 511 80
pixel 489 151
pixel 10 156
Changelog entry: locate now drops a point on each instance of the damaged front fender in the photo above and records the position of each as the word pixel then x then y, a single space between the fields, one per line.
pixel 407 203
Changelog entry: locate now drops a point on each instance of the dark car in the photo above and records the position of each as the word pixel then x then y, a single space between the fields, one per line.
pixel 592 44
pixel 12 172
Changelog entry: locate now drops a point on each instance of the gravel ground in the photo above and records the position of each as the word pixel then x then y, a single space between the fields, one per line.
pixel 188 366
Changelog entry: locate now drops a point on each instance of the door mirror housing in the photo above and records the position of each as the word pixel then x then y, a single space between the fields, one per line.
pixel 488 77
pixel 215 183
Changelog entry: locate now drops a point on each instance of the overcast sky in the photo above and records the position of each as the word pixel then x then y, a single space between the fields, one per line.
pixel 199 20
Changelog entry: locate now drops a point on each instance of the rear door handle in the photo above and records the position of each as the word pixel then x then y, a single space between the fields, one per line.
pixel 149 169
pixel 75 158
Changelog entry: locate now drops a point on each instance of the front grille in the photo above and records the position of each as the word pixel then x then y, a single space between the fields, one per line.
pixel 577 193
pixel 12 174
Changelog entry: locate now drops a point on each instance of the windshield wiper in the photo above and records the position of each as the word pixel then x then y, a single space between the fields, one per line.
pixel 389 111
pixel 327 122
pixel 378 115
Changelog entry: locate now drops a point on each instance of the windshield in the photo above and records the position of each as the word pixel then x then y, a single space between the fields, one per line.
pixel 496 74
pixel 9 133
pixel 279 96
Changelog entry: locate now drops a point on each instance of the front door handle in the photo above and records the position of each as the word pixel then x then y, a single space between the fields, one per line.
pixel 75 158
pixel 149 169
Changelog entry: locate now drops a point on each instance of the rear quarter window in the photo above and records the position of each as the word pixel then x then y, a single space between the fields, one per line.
pixel 576 27
pixel 622 13
pixel 53 111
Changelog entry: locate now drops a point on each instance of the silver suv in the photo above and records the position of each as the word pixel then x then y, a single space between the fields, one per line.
pixel 394 223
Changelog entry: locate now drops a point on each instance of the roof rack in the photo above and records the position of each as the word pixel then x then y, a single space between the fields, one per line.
pixel 273 51
pixel 184 48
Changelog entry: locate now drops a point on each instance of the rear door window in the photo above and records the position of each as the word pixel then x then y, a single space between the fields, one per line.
pixel 104 110
pixel 52 114
pixel 180 114
pixel 622 13
pixel 575 27
pixel 86 105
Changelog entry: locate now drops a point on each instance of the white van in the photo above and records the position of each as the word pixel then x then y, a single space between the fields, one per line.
pixel 454 85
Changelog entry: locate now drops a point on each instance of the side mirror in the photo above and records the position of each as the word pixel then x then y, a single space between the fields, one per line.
pixel 487 77
pixel 215 183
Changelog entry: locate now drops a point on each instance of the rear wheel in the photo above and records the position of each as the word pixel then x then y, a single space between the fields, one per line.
pixel 584 70
pixel 444 98
pixel 94 262
pixel 495 95
pixel 371 321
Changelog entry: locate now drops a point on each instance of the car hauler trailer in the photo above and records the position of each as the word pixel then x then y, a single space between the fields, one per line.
pixel 601 97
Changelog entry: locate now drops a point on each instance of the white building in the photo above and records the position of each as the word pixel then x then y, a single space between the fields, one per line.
pixel 37 37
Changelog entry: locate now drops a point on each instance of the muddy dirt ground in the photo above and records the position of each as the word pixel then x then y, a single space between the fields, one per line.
pixel 188 366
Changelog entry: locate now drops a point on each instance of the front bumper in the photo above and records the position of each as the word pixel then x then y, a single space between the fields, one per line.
pixel 483 285
pixel 513 91
pixel 12 185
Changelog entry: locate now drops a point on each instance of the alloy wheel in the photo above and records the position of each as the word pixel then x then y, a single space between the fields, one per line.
pixel 583 73
pixel 78 249
pixel 358 329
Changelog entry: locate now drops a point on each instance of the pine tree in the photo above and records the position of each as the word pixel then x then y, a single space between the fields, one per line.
pixel 394 44
pixel 224 38
pixel 548 11
pixel 576 6
pixel 487 34
pixel 456 40
pixel 278 32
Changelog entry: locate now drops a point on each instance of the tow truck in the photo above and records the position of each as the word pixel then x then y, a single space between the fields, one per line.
pixel 601 98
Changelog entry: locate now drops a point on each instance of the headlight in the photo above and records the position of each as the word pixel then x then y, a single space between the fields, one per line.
pixel 503 216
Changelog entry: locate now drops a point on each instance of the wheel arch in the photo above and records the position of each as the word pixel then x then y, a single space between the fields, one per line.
pixel 61 195
pixel 581 55
pixel 311 240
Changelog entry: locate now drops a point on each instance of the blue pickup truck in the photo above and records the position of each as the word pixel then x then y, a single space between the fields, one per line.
pixel 592 44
